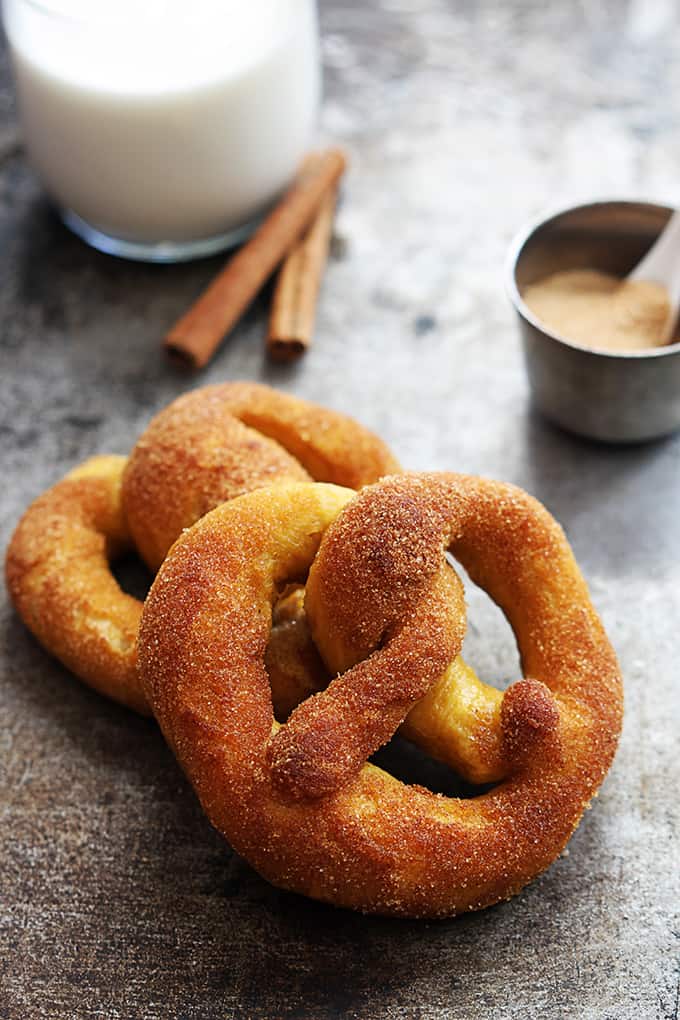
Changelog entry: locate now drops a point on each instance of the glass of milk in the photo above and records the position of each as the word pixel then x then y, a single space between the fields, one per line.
pixel 164 129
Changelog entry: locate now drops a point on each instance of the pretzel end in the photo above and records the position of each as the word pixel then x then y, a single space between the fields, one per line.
pixel 307 760
pixel 530 721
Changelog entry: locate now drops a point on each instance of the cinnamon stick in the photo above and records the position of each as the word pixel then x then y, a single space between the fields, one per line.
pixel 293 313
pixel 195 337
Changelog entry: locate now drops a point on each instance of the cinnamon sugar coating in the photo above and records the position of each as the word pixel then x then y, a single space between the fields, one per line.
pixel 322 822
pixel 59 577
pixel 221 441
pixel 193 455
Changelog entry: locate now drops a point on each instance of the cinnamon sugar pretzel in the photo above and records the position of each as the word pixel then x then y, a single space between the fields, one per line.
pixel 300 801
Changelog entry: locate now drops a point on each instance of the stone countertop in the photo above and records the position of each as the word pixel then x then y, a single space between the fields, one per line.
pixel 117 900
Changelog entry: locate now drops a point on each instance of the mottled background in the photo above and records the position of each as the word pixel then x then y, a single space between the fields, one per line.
pixel 117 900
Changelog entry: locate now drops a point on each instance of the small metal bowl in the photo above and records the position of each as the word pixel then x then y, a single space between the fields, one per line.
pixel 617 398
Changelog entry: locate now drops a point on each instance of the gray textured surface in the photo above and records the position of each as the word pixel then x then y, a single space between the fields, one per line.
pixel 116 898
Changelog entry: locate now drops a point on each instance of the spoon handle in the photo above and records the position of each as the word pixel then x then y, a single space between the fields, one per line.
pixel 661 264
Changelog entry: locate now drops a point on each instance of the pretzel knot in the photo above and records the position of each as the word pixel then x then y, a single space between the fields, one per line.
pixel 299 801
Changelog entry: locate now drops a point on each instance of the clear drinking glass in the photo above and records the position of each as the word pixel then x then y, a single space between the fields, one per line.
pixel 164 129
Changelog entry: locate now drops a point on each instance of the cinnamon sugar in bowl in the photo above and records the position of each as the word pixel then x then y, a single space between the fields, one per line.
pixel 610 395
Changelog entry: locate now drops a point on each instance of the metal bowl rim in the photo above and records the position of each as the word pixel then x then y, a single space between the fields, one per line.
pixel 512 290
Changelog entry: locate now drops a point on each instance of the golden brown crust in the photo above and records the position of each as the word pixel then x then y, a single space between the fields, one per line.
pixel 194 455
pixel 59 577
pixel 217 442
pixel 331 734
pixel 373 843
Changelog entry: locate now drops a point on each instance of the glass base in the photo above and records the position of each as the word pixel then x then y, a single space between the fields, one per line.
pixel 161 251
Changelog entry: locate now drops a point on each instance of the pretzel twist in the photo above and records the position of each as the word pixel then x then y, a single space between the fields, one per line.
pixel 299 801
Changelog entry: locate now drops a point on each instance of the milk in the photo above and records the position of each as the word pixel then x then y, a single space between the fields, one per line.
pixel 165 120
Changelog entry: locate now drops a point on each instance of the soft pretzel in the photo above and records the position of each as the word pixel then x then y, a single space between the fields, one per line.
pixel 193 455
pixel 220 441
pixel 299 801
